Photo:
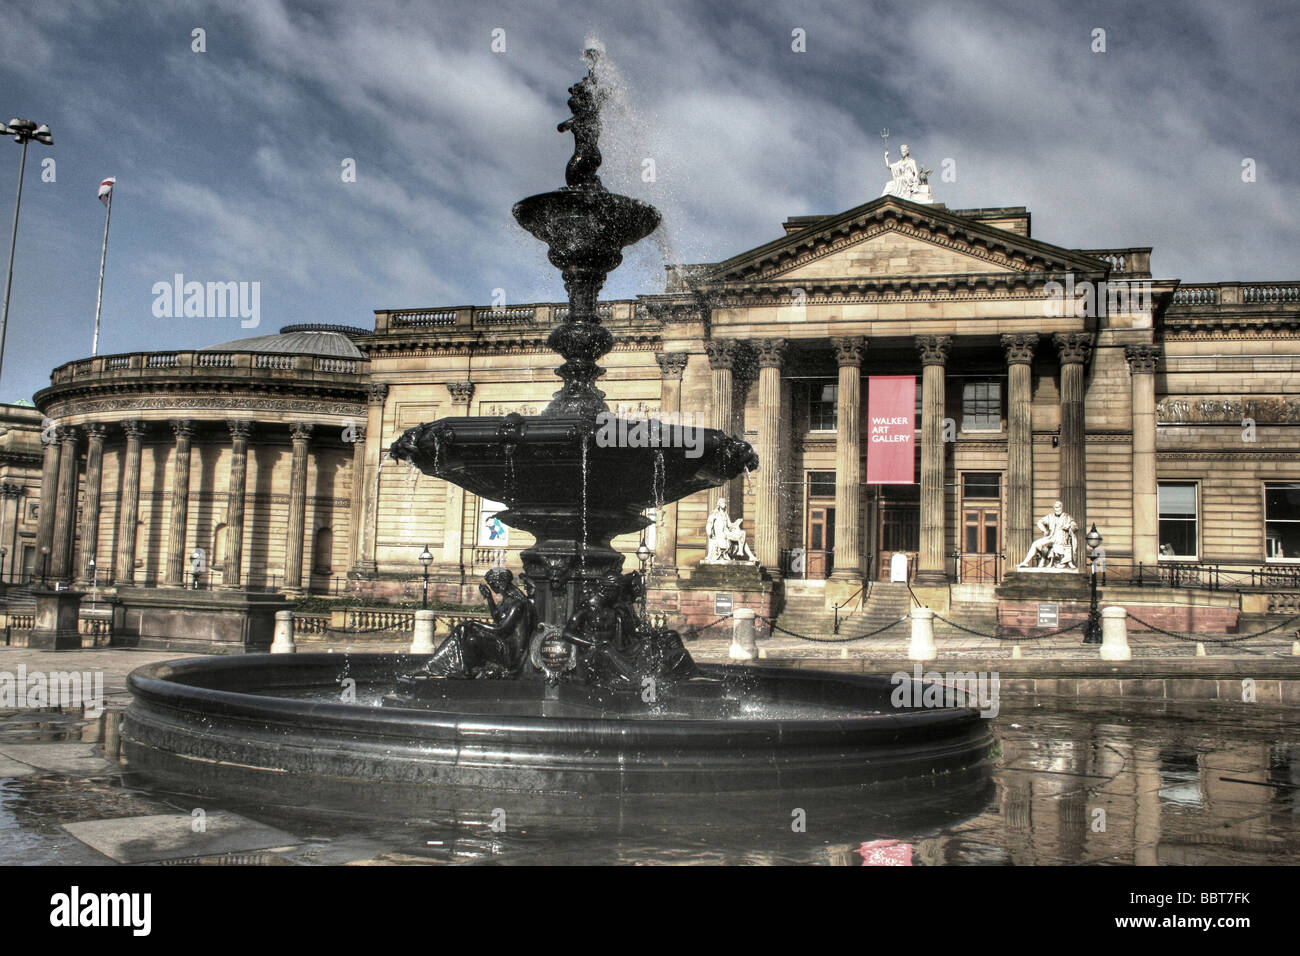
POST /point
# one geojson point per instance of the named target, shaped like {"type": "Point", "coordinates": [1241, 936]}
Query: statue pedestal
{"type": "Point", "coordinates": [56, 620]}
{"type": "Point", "coordinates": [729, 576]}
{"type": "Point", "coordinates": [1035, 602]}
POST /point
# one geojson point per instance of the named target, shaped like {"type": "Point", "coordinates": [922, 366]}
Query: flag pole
{"type": "Point", "coordinates": [103, 255]}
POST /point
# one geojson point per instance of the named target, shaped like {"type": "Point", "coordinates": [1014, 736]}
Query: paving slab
{"type": "Point", "coordinates": [171, 836]}
{"type": "Point", "coordinates": [68, 757]}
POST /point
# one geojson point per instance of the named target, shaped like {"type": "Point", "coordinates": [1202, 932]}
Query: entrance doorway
{"type": "Point", "coordinates": [821, 540]}
{"type": "Point", "coordinates": [980, 560]}
{"type": "Point", "coordinates": [900, 530]}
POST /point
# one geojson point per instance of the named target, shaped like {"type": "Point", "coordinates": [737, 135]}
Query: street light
{"type": "Point", "coordinates": [643, 554]}
{"type": "Point", "coordinates": [196, 564]}
{"type": "Point", "coordinates": [94, 581]}
{"type": "Point", "coordinates": [45, 566]}
{"type": "Point", "coordinates": [426, 558]}
{"type": "Point", "coordinates": [1092, 630]}
{"type": "Point", "coordinates": [23, 131]}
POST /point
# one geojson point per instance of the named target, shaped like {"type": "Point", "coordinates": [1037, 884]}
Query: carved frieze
{"type": "Point", "coordinates": [1213, 410]}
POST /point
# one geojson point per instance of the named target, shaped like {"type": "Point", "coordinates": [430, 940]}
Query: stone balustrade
{"type": "Point", "coordinates": [146, 365]}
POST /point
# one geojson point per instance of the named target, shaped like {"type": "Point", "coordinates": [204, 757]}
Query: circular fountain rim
{"type": "Point", "coordinates": [147, 681]}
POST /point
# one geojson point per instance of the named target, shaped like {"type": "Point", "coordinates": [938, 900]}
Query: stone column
{"type": "Point", "coordinates": [174, 576]}
{"type": "Point", "coordinates": [1142, 362]}
{"type": "Point", "coordinates": [368, 525]}
{"type": "Point", "coordinates": [300, 434]}
{"type": "Point", "coordinates": [722, 360]}
{"type": "Point", "coordinates": [767, 520]}
{"type": "Point", "coordinates": [90, 507]}
{"type": "Point", "coordinates": [744, 373]}
{"type": "Point", "coordinates": [65, 512]}
{"type": "Point", "coordinates": [1020, 443]}
{"type": "Point", "coordinates": [240, 430]}
{"type": "Point", "coordinates": [128, 512]}
{"type": "Point", "coordinates": [931, 565]}
{"type": "Point", "coordinates": [849, 353]}
{"type": "Point", "coordinates": [671, 367]}
{"type": "Point", "coordinates": [453, 524]}
{"type": "Point", "coordinates": [1074, 349]}
{"type": "Point", "coordinates": [47, 506]}
{"type": "Point", "coordinates": [357, 505]}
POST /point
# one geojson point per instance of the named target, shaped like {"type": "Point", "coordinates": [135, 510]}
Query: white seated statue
{"type": "Point", "coordinates": [1058, 548]}
{"type": "Point", "coordinates": [908, 180]}
{"type": "Point", "coordinates": [726, 538]}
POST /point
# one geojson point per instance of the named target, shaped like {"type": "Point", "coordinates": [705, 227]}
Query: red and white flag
{"type": "Point", "coordinates": [106, 189]}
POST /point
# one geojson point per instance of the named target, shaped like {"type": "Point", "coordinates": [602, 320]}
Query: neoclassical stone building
{"type": "Point", "coordinates": [1166, 414]}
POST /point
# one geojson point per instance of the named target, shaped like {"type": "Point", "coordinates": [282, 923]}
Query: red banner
{"type": "Point", "coordinates": [891, 429]}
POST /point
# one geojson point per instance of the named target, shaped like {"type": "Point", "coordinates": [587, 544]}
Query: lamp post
{"type": "Point", "coordinates": [643, 554]}
{"type": "Point", "coordinates": [45, 566]}
{"type": "Point", "coordinates": [1092, 630]}
{"type": "Point", "coordinates": [23, 131]}
{"type": "Point", "coordinates": [426, 559]}
{"type": "Point", "coordinates": [94, 581]}
{"type": "Point", "coordinates": [196, 565]}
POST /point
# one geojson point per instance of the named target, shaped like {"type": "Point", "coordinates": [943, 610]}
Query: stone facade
{"type": "Point", "coordinates": [1029, 390]}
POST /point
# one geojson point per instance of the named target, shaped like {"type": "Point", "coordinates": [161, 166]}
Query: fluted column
{"type": "Point", "coordinates": [300, 434]}
{"type": "Point", "coordinates": [48, 503]}
{"type": "Point", "coordinates": [240, 430]}
{"type": "Point", "coordinates": [368, 527]}
{"type": "Point", "coordinates": [174, 576]}
{"type": "Point", "coordinates": [65, 513]}
{"type": "Point", "coordinates": [453, 533]}
{"type": "Point", "coordinates": [90, 507]}
{"type": "Point", "coordinates": [671, 367]}
{"type": "Point", "coordinates": [1020, 443]}
{"type": "Point", "coordinates": [722, 360]}
{"type": "Point", "coordinates": [357, 507]}
{"type": "Point", "coordinates": [849, 353]}
{"type": "Point", "coordinates": [1074, 349]}
{"type": "Point", "coordinates": [1142, 362]}
{"type": "Point", "coordinates": [931, 566]}
{"type": "Point", "coordinates": [767, 520]}
{"type": "Point", "coordinates": [128, 513]}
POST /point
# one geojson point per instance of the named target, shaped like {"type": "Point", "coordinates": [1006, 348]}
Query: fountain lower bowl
{"type": "Point", "coordinates": [271, 724]}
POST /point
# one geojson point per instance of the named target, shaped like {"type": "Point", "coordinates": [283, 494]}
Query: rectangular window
{"type": "Point", "coordinates": [1178, 518]}
{"type": "Point", "coordinates": [1282, 520]}
{"type": "Point", "coordinates": [821, 484]}
{"type": "Point", "coordinates": [823, 399]}
{"type": "Point", "coordinates": [981, 485]}
{"type": "Point", "coordinates": [981, 406]}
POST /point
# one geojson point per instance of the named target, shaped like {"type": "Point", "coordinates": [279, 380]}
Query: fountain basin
{"type": "Point", "coordinates": [273, 723]}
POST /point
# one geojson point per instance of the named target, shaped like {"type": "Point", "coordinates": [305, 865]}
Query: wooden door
{"type": "Point", "coordinates": [980, 545]}
{"type": "Point", "coordinates": [900, 530]}
{"type": "Point", "coordinates": [821, 540]}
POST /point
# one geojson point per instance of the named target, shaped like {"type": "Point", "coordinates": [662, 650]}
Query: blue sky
{"type": "Point", "coordinates": [229, 161]}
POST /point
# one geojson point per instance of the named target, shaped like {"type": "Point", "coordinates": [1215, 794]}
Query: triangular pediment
{"type": "Point", "coordinates": [897, 238]}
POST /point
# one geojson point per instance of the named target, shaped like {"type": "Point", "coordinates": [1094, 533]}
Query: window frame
{"type": "Point", "coordinates": [1196, 519]}
{"type": "Point", "coordinates": [814, 388]}
{"type": "Point", "coordinates": [1264, 485]}
{"type": "Point", "coordinates": [996, 383]}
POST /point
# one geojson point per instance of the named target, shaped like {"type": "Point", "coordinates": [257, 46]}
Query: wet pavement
{"type": "Point", "coordinates": [1071, 782]}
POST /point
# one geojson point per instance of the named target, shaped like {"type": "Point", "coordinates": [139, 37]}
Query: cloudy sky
{"type": "Point", "coordinates": [230, 161]}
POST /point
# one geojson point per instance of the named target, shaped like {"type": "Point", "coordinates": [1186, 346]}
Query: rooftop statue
{"type": "Point", "coordinates": [908, 179]}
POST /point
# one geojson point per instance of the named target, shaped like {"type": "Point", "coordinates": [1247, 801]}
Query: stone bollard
{"type": "Point", "coordinates": [922, 647]}
{"type": "Point", "coordinates": [1114, 634]}
{"type": "Point", "coordinates": [422, 639]}
{"type": "Point", "coordinates": [743, 645]}
{"type": "Point", "coordinates": [111, 723]}
{"type": "Point", "coordinates": [283, 642]}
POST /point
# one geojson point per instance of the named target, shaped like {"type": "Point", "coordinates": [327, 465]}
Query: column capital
{"type": "Point", "coordinates": [240, 428]}
{"type": "Point", "coordinates": [183, 428]}
{"type": "Point", "coordinates": [1020, 347]}
{"type": "Point", "coordinates": [671, 364]}
{"type": "Point", "coordinates": [95, 431]}
{"type": "Point", "coordinates": [1073, 346]}
{"type": "Point", "coordinates": [360, 434]}
{"type": "Point", "coordinates": [8, 490]}
{"type": "Point", "coordinates": [378, 394]}
{"type": "Point", "coordinates": [722, 353]}
{"type": "Point", "coordinates": [132, 428]}
{"type": "Point", "coordinates": [461, 392]}
{"type": "Point", "coordinates": [68, 434]}
{"type": "Point", "coordinates": [771, 352]}
{"type": "Point", "coordinates": [849, 351]}
{"type": "Point", "coordinates": [300, 431]}
{"type": "Point", "coordinates": [933, 348]}
{"type": "Point", "coordinates": [1142, 358]}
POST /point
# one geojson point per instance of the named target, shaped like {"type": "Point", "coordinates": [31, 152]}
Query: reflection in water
{"type": "Point", "coordinates": [1080, 782]}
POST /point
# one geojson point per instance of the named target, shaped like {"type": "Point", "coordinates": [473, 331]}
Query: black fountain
{"type": "Point", "coordinates": [569, 701]}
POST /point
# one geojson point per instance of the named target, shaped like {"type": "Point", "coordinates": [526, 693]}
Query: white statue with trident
{"type": "Point", "coordinates": [908, 179]}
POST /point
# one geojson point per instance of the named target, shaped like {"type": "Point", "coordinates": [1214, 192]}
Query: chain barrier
{"type": "Point", "coordinates": [771, 622]}
{"type": "Point", "coordinates": [686, 635]}
{"type": "Point", "coordinates": [1013, 639]}
{"type": "Point", "coordinates": [1198, 639]}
